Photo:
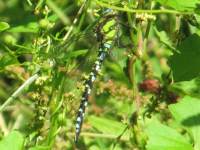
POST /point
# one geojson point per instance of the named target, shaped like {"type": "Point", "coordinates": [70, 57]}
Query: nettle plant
{"type": "Point", "coordinates": [135, 65]}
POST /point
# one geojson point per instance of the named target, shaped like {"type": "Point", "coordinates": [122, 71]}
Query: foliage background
{"type": "Point", "coordinates": [146, 96]}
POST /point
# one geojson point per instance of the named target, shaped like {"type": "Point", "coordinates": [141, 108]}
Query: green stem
{"type": "Point", "coordinates": [55, 127]}
{"type": "Point", "coordinates": [19, 91]}
{"type": "Point", "coordinates": [131, 63]}
{"type": "Point", "coordinates": [75, 21]}
{"type": "Point", "coordinates": [147, 30]}
{"type": "Point", "coordinates": [100, 135]}
{"type": "Point", "coordinates": [165, 11]}
{"type": "Point", "coordinates": [58, 12]}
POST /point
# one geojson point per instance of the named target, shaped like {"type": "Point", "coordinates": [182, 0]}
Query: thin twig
{"type": "Point", "coordinates": [160, 11]}
{"type": "Point", "coordinates": [75, 21]}
{"type": "Point", "coordinates": [57, 11]}
{"type": "Point", "coordinates": [100, 135]}
{"type": "Point", "coordinates": [19, 91]}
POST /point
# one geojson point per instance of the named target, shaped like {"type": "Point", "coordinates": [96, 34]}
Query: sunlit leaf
{"type": "Point", "coordinates": [162, 137]}
{"type": "Point", "coordinates": [186, 5]}
{"type": "Point", "coordinates": [187, 87]}
{"type": "Point", "coordinates": [107, 126]}
{"type": "Point", "coordinates": [187, 113]}
{"type": "Point", "coordinates": [14, 141]}
{"type": "Point", "coordinates": [31, 27]}
{"type": "Point", "coordinates": [4, 26]}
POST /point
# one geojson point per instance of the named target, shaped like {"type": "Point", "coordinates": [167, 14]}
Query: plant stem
{"type": "Point", "coordinates": [55, 126]}
{"type": "Point", "coordinates": [75, 20]}
{"type": "Point", "coordinates": [58, 12]}
{"type": "Point", "coordinates": [100, 135]}
{"type": "Point", "coordinates": [147, 31]}
{"type": "Point", "coordinates": [131, 63]}
{"type": "Point", "coordinates": [19, 91]}
{"type": "Point", "coordinates": [165, 11]}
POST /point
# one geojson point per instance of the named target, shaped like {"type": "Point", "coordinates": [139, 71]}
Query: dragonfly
{"type": "Point", "coordinates": [105, 33]}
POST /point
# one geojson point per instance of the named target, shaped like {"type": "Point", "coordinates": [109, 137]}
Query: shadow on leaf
{"type": "Point", "coordinates": [192, 121]}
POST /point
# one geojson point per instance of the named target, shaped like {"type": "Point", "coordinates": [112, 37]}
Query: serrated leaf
{"type": "Point", "coordinates": [187, 113]}
{"type": "Point", "coordinates": [107, 126]}
{"type": "Point", "coordinates": [4, 26]}
{"type": "Point", "coordinates": [14, 141]}
{"type": "Point", "coordinates": [185, 65]}
{"type": "Point", "coordinates": [162, 137]}
{"type": "Point", "coordinates": [180, 5]}
{"type": "Point", "coordinates": [191, 88]}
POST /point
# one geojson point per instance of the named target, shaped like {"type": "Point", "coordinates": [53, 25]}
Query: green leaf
{"type": "Point", "coordinates": [31, 27]}
{"type": "Point", "coordinates": [14, 141]}
{"type": "Point", "coordinates": [191, 88]}
{"type": "Point", "coordinates": [71, 55]}
{"type": "Point", "coordinates": [107, 126]}
{"type": "Point", "coordinates": [187, 113]}
{"type": "Point", "coordinates": [162, 35]}
{"type": "Point", "coordinates": [185, 65]}
{"type": "Point", "coordinates": [116, 71]}
{"type": "Point", "coordinates": [123, 107]}
{"type": "Point", "coordinates": [4, 26]}
{"type": "Point", "coordinates": [76, 53]}
{"type": "Point", "coordinates": [7, 59]}
{"type": "Point", "coordinates": [162, 137]}
{"type": "Point", "coordinates": [180, 5]}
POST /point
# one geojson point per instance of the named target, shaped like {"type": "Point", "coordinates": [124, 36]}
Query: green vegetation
{"type": "Point", "coordinates": [146, 97]}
